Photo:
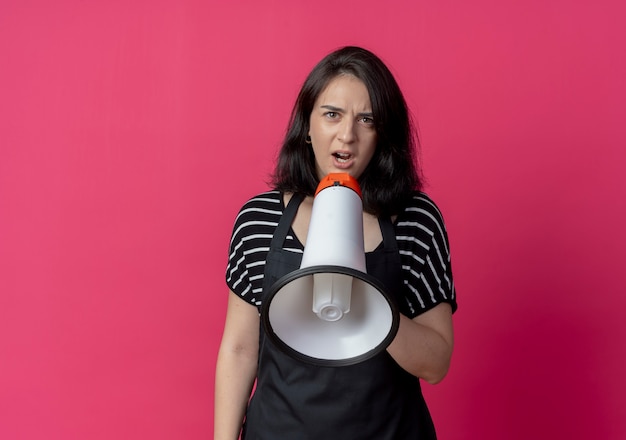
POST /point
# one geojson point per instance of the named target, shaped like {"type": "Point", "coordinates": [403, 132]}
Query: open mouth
{"type": "Point", "coordinates": [342, 157]}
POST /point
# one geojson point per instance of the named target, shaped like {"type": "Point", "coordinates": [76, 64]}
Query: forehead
{"type": "Point", "coordinates": [346, 88]}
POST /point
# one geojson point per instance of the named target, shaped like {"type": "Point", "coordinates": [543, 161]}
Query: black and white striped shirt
{"type": "Point", "coordinates": [420, 233]}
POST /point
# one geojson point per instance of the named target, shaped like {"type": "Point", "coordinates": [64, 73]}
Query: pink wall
{"type": "Point", "coordinates": [131, 132]}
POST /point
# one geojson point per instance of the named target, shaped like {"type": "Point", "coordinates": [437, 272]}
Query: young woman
{"type": "Point", "coordinates": [350, 117]}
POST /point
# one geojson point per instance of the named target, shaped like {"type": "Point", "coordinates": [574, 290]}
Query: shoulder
{"type": "Point", "coordinates": [266, 204]}
{"type": "Point", "coordinates": [258, 212]}
{"type": "Point", "coordinates": [420, 229]}
{"type": "Point", "coordinates": [266, 200]}
{"type": "Point", "coordinates": [420, 210]}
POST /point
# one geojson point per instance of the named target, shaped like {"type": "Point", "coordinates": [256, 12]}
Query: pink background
{"type": "Point", "coordinates": [132, 131]}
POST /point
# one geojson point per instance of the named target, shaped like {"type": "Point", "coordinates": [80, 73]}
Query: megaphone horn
{"type": "Point", "coordinates": [330, 312]}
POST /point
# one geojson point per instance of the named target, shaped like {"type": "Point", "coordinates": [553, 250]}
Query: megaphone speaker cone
{"type": "Point", "coordinates": [340, 337]}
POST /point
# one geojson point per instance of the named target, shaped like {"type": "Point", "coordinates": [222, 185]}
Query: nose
{"type": "Point", "coordinates": [347, 132]}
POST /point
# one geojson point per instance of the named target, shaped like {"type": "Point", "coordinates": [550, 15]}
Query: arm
{"type": "Point", "coordinates": [236, 367]}
{"type": "Point", "coordinates": [423, 345]}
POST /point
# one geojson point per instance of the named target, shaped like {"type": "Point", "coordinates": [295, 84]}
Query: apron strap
{"type": "Point", "coordinates": [389, 234]}
{"type": "Point", "coordinates": [286, 220]}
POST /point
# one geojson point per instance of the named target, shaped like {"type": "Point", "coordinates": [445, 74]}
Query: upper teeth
{"type": "Point", "coordinates": [342, 157]}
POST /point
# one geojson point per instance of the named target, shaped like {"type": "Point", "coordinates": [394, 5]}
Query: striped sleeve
{"type": "Point", "coordinates": [425, 255]}
{"type": "Point", "coordinates": [249, 245]}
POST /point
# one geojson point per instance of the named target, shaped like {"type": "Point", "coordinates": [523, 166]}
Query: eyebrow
{"type": "Point", "coordinates": [332, 108]}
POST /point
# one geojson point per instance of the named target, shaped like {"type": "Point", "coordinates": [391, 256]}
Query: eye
{"type": "Point", "coordinates": [367, 120]}
{"type": "Point", "coordinates": [331, 115]}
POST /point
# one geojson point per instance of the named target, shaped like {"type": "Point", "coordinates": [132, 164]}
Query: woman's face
{"type": "Point", "coordinates": [342, 130]}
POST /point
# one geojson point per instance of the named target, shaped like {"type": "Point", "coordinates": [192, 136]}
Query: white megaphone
{"type": "Point", "coordinates": [330, 312]}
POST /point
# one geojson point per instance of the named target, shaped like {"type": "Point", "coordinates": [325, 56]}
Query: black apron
{"type": "Point", "coordinates": [372, 400]}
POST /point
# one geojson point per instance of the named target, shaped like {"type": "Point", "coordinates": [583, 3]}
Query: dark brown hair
{"type": "Point", "coordinates": [392, 174]}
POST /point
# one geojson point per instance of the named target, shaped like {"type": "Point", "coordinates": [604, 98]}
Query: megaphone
{"type": "Point", "coordinates": [330, 312]}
